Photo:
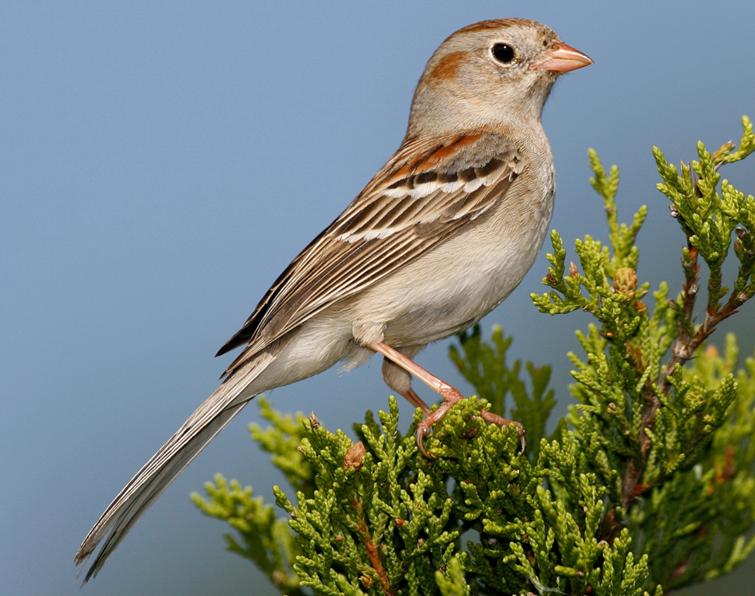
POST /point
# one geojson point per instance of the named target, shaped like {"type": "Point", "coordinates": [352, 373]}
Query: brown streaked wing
{"type": "Point", "coordinates": [424, 194]}
{"type": "Point", "coordinates": [409, 149]}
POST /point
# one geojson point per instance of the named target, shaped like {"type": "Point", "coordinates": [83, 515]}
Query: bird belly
{"type": "Point", "coordinates": [463, 279]}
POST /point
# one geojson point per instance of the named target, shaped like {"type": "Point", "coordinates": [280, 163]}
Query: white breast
{"type": "Point", "coordinates": [463, 279]}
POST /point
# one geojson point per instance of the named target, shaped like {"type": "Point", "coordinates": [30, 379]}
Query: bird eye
{"type": "Point", "coordinates": [503, 52]}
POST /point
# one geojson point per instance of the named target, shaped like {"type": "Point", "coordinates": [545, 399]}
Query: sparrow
{"type": "Point", "coordinates": [438, 238]}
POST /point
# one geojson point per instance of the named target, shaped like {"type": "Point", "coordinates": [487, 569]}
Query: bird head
{"type": "Point", "coordinates": [491, 73]}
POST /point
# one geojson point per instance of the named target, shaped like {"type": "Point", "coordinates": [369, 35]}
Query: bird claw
{"type": "Point", "coordinates": [419, 435]}
{"type": "Point", "coordinates": [426, 425]}
{"type": "Point", "coordinates": [501, 421]}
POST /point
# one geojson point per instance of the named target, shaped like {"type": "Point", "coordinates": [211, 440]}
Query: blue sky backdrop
{"type": "Point", "coordinates": [160, 163]}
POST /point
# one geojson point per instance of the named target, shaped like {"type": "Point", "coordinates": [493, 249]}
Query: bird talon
{"type": "Point", "coordinates": [419, 436]}
{"type": "Point", "coordinates": [493, 418]}
{"type": "Point", "coordinates": [426, 425]}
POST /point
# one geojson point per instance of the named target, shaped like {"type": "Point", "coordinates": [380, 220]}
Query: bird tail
{"type": "Point", "coordinates": [168, 462]}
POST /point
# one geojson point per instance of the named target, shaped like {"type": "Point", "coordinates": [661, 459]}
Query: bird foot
{"type": "Point", "coordinates": [451, 396]}
{"type": "Point", "coordinates": [492, 418]}
{"type": "Point", "coordinates": [450, 399]}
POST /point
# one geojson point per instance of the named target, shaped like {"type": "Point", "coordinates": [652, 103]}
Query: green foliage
{"type": "Point", "coordinates": [646, 485]}
{"type": "Point", "coordinates": [709, 213]}
{"type": "Point", "coordinates": [699, 521]}
{"type": "Point", "coordinates": [485, 366]}
{"type": "Point", "coordinates": [258, 535]}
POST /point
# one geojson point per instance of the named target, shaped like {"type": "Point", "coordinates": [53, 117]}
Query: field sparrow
{"type": "Point", "coordinates": [439, 237]}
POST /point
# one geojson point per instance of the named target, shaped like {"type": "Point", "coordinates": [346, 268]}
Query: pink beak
{"type": "Point", "coordinates": [562, 58]}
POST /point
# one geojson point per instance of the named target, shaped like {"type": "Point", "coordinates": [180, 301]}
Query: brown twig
{"type": "Point", "coordinates": [372, 550]}
{"type": "Point", "coordinates": [684, 346]}
{"type": "Point", "coordinates": [681, 351]}
{"type": "Point", "coordinates": [631, 487]}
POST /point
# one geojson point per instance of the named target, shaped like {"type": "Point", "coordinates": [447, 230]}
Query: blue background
{"type": "Point", "coordinates": [160, 163]}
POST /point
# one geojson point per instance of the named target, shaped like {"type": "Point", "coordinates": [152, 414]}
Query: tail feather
{"type": "Point", "coordinates": [167, 463]}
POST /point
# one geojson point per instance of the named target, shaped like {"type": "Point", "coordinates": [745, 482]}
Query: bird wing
{"type": "Point", "coordinates": [427, 192]}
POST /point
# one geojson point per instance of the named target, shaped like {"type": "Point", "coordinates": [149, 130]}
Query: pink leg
{"type": "Point", "coordinates": [449, 394]}
{"type": "Point", "coordinates": [416, 400]}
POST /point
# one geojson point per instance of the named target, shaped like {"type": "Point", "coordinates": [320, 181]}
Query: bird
{"type": "Point", "coordinates": [441, 235]}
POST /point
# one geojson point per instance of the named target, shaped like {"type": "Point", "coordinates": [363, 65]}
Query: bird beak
{"type": "Point", "coordinates": [562, 58]}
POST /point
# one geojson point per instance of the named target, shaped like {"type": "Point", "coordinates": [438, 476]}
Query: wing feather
{"type": "Point", "coordinates": [425, 193]}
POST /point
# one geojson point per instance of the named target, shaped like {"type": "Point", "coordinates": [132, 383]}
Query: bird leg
{"type": "Point", "coordinates": [451, 396]}
{"type": "Point", "coordinates": [401, 381]}
{"type": "Point", "coordinates": [414, 399]}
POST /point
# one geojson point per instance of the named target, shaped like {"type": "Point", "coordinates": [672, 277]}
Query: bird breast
{"type": "Point", "coordinates": [464, 278]}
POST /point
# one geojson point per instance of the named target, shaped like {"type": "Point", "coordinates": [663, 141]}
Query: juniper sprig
{"type": "Point", "coordinates": [645, 486]}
